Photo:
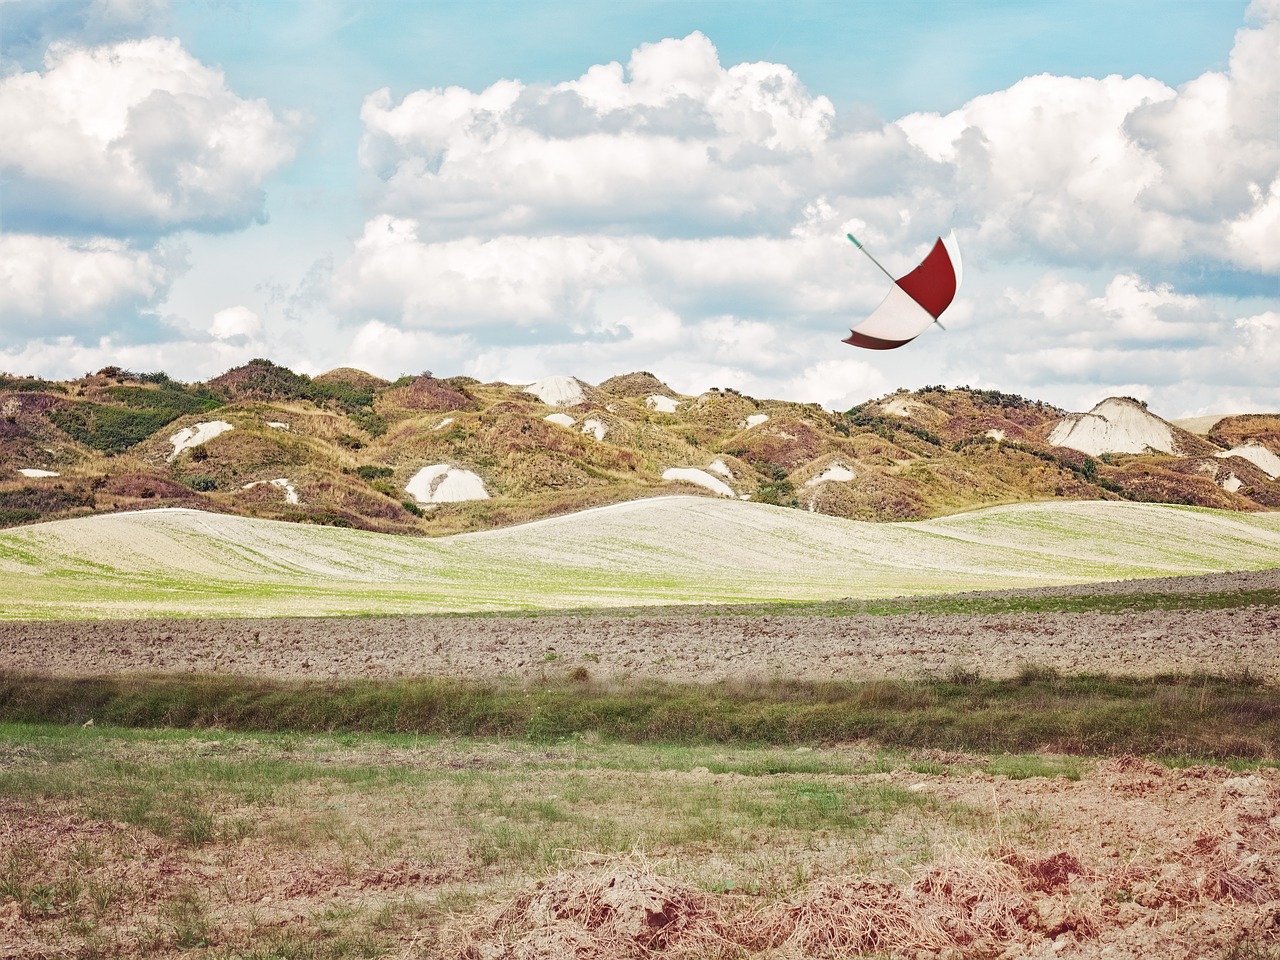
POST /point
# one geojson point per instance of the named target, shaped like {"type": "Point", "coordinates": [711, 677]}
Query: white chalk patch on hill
{"type": "Point", "coordinates": [290, 491]}
{"type": "Point", "coordinates": [837, 472]}
{"type": "Point", "coordinates": [558, 391]}
{"type": "Point", "coordinates": [660, 403]}
{"type": "Point", "coordinates": [1116, 425]}
{"type": "Point", "coordinates": [190, 437]}
{"type": "Point", "coordinates": [1258, 455]}
{"type": "Point", "coordinates": [700, 477]}
{"type": "Point", "coordinates": [443, 483]}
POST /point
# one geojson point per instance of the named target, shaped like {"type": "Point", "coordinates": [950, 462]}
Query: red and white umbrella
{"type": "Point", "coordinates": [914, 302]}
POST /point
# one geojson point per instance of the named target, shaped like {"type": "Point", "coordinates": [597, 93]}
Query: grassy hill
{"type": "Point", "coordinates": [342, 448]}
{"type": "Point", "coordinates": [665, 550]}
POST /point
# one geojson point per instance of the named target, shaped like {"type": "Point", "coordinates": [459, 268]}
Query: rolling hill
{"type": "Point", "coordinates": [429, 455]}
{"type": "Point", "coordinates": [665, 550]}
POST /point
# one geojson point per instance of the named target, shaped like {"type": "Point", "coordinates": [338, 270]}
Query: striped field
{"type": "Point", "coordinates": [665, 550]}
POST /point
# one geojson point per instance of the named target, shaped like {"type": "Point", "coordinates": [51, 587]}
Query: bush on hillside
{"type": "Point", "coordinates": [140, 413]}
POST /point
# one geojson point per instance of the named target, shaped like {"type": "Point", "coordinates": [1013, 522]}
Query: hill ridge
{"type": "Point", "coordinates": [429, 455]}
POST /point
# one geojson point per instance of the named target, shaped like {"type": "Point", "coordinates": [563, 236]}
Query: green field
{"type": "Point", "coordinates": [673, 550]}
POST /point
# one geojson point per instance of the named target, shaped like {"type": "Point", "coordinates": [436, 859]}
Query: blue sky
{"type": "Point", "coordinates": [473, 188]}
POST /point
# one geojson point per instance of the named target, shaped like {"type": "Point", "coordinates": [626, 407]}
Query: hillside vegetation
{"type": "Point", "coordinates": [432, 456]}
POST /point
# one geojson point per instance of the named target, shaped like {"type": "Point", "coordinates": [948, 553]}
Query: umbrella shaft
{"type": "Point", "coordinates": [870, 257]}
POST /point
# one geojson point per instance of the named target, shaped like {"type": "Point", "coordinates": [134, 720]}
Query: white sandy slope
{"type": "Point", "coordinates": [181, 562]}
{"type": "Point", "coordinates": [902, 406]}
{"type": "Point", "coordinates": [1258, 455]}
{"type": "Point", "coordinates": [284, 483]}
{"type": "Point", "coordinates": [190, 437]}
{"type": "Point", "coordinates": [1115, 425]}
{"type": "Point", "coordinates": [837, 472]}
{"type": "Point", "coordinates": [36, 474]}
{"type": "Point", "coordinates": [699, 477]}
{"type": "Point", "coordinates": [594, 428]}
{"type": "Point", "coordinates": [195, 435]}
{"type": "Point", "coordinates": [562, 419]}
{"type": "Point", "coordinates": [661, 403]}
{"type": "Point", "coordinates": [443, 483]}
{"type": "Point", "coordinates": [558, 391]}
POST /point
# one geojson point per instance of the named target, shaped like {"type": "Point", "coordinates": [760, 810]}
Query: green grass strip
{"type": "Point", "coordinates": [1202, 716]}
{"type": "Point", "coordinates": [1073, 600]}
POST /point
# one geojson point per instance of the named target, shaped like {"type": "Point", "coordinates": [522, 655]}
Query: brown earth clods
{"type": "Point", "coordinates": [1139, 861]}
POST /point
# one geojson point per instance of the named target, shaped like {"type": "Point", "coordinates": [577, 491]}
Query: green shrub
{"type": "Point", "coordinates": [11, 518]}
{"type": "Point", "coordinates": [140, 412]}
{"type": "Point", "coordinates": [371, 423]}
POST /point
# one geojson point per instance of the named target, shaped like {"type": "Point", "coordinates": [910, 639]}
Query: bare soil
{"type": "Point", "coordinates": [681, 645]}
{"type": "Point", "coordinates": [1132, 860]}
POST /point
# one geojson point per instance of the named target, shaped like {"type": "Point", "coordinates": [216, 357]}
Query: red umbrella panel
{"type": "Point", "coordinates": [914, 301]}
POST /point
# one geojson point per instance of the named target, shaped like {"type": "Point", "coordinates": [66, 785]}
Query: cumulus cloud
{"type": "Point", "coordinates": [59, 284]}
{"type": "Point", "coordinates": [393, 274]}
{"type": "Point", "coordinates": [377, 346]}
{"type": "Point", "coordinates": [1095, 170]}
{"type": "Point", "coordinates": [676, 142]}
{"type": "Point", "coordinates": [681, 215]}
{"type": "Point", "coordinates": [678, 214]}
{"type": "Point", "coordinates": [1259, 336]}
{"type": "Point", "coordinates": [577, 280]}
{"type": "Point", "coordinates": [237, 322]}
{"type": "Point", "coordinates": [1074, 169]}
{"type": "Point", "coordinates": [838, 384]}
{"type": "Point", "coordinates": [133, 138]}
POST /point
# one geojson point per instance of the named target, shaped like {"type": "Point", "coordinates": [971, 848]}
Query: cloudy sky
{"type": "Point", "coordinates": [511, 190]}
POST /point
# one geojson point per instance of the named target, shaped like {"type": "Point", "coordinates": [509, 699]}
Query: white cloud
{"type": "Point", "coordinates": [1135, 309]}
{"type": "Point", "coordinates": [1259, 338]}
{"type": "Point", "coordinates": [683, 145]}
{"type": "Point", "coordinates": [506, 280]}
{"type": "Point", "coordinates": [1047, 162]}
{"type": "Point", "coordinates": [1251, 239]}
{"type": "Point", "coordinates": [837, 384]}
{"type": "Point", "coordinates": [702, 183]}
{"type": "Point", "coordinates": [1122, 168]}
{"type": "Point", "coordinates": [236, 322]}
{"type": "Point", "coordinates": [391, 352]}
{"type": "Point", "coordinates": [679, 215]}
{"type": "Point", "coordinates": [136, 137]}
{"type": "Point", "coordinates": [54, 281]}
